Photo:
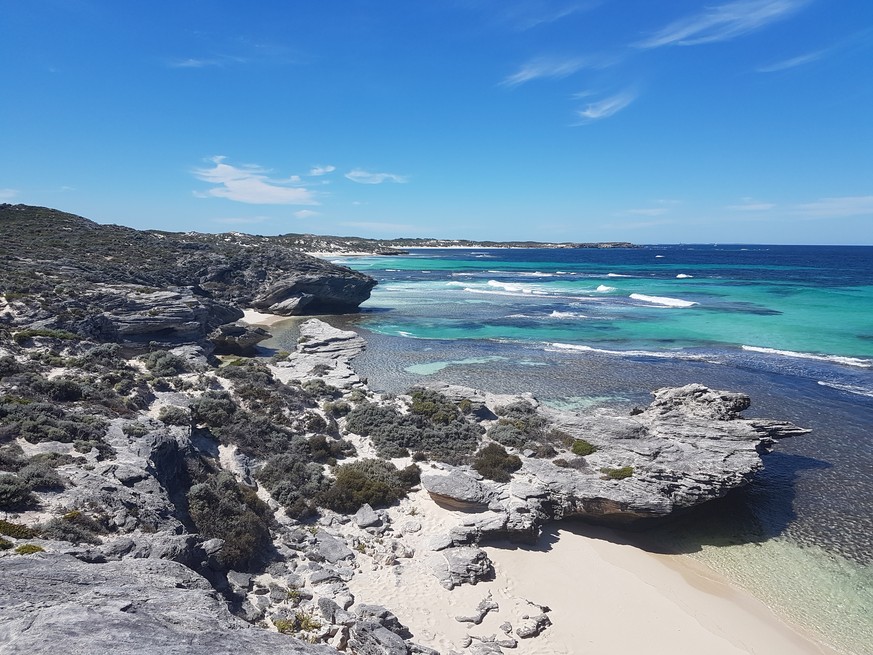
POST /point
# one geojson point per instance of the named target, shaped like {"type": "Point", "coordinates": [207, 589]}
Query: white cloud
{"type": "Point", "coordinates": [794, 62]}
{"type": "Point", "coordinates": [305, 213]}
{"type": "Point", "coordinates": [552, 67]}
{"type": "Point", "coordinates": [529, 14]}
{"type": "Point", "coordinates": [192, 62]}
{"type": "Point", "coordinates": [364, 177]}
{"type": "Point", "coordinates": [751, 205]}
{"type": "Point", "coordinates": [318, 171]}
{"type": "Point", "coordinates": [606, 107]}
{"type": "Point", "coordinates": [250, 184]}
{"type": "Point", "coordinates": [379, 227]}
{"type": "Point", "coordinates": [8, 194]}
{"type": "Point", "coordinates": [839, 207]}
{"type": "Point", "coordinates": [722, 22]}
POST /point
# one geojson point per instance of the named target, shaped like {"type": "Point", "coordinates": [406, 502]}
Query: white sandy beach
{"type": "Point", "coordinates": [604, 596]}
{"type": "Point", "coordinates": [254, 317]}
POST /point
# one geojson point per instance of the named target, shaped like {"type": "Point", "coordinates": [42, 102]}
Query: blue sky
{"type": "Point", "coordinates": [640, 120]}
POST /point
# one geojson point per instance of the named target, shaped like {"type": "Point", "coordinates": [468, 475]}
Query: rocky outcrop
{"type": "Point", "coordinates": [688, 447]}
{"type": "Point", "coordinates": [325, 352]}
{"type": "Point", "coordinates": [56, 603]}
{"type": "Point", "coordinates": [237, 338]}
{"type": "Point", "coordinates": [112, 283]}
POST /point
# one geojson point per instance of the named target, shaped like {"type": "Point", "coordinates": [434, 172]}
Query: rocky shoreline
{"type": "Point", "coordinates": [121, 531]}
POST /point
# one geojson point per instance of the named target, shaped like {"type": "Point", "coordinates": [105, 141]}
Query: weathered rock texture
{"type": "Point", "coordinates": [689, 446]}
{"type": "Point", "coordinates": [112, 283]}
{"type": "Point", "coordinates": [325, 352]}
{"type": "Point", "coordinates": [57, 604]}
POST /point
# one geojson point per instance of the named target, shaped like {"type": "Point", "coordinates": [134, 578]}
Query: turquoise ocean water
{"type": "Point", "coordinates": [790, 326]}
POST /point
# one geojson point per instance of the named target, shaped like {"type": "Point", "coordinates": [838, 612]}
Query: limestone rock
{"type": "Point", "coordinates": [237, 338]}
{"type": "Point", "coordinates": [455, 489]}
{"type": "Point", "coordinates": [55, 603]}
{"type": "Point", "coordinates": [464, 564]}
{"type": "Point", "coordinates": [366, 517]}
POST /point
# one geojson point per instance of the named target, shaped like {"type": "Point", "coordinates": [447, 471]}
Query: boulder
{"type": "Point", "coordinates": [237, 338]}
{"type": "Point", "coordinates": [461, 565]}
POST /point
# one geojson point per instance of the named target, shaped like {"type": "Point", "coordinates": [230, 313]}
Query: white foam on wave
{"type": "Point", "coordinates": [659, 256]}
{"type": "Point", "coordinates": [617, 275]}
{"type": "Point", "coordinates": [604, 289]}
{"type": "Point", "coordinates": [456, 284]}
{"type": "Point", "coordinates": [536, 274]}
{"type": "Point", "coordinates": [684, 276]}
{"type": "Point", "coordinates": [625, 353]}
{"type": "Point", "coordinates": [510, 286]}
{"type": "Point", "coordinates": [557, 314]}
{"type": "Point", "coordinates": [835, 359]}
{"type": "Point", "coordinates": [463, 274]}
{"type": "Point", "coordinates": [664, 301]}
{"type": "Point", "coordinates": [848, 388]}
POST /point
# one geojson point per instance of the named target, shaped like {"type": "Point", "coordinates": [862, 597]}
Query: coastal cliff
{"type": "Point", "coordinates": [111, 283]}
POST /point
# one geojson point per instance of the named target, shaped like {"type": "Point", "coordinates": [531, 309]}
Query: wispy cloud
{"type": "Point", "coordinates": [380, 227]}
{"type": "Point", "coordinates": [306, 213]}
{"type": "Point", "coordinates": [722, 22]}
{"type": "Point", "coordinates": [605, 108]}
{"type": "Point", "coordinates": [839, 207]}
{"type": "Point", "coordinates": [529, 14]}
{"type": "Point", "coordinates": [251, 184]}
{"type": "Point", "coordinates": [8, 194]}
{"type": "Point", "coordinates": [751, 205]}
{"type": "Point", "coordinates": [794, 62]}
{"type": "Point", "coordinates": [318, 171]}
{"type": "Point", "coordinates": [192, 62]}
{"type": "Point", "coordinates": [364, 177]}
{"type": "Point", "coordinates": [545, 67]}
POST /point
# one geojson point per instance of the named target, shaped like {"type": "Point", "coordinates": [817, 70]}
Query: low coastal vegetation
{"type": "Point", "coordinates": [617, 473]}
{"type": "Point", "coordinates": [494, 463]}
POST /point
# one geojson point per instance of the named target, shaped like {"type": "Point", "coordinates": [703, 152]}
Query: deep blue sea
{"type": "Point", "coordinates": [792, 326]}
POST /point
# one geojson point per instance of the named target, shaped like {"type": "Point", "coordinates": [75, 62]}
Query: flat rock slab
{"type": "Point", "coordinates": [52, 604]}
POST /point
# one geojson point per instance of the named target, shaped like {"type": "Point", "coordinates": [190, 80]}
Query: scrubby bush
{"type": "Point", "coordinates": [5, 544]}
{"type": "Point", "coordinates": [37, 422]}
{"type": "Point", "coordinates": [338, 408]}
{"type": "Point", "coordinates": [508, 435]}
{"type": "Point", "coordinates": [135, 429]}
{"type": "Point", "coordinates": [259, 436]}
{"type": "Point", "coordinates": [40, 476]}
{"type": "Point", "coordinates": [16, 530]}
{"type": "Point", "coordinates": [293, 482]}
{"type": "Point", "coordinates": [14, 493]}
{"type": "Point", "coordinates": [371, 481]}
{"type": "Point", "coordinates": [262, 394]}
{"type": "Point", "coordinates": [618, 473]}
{"type": "Point", "coordinates": [494, 463]}
{"type": "Point", "coordinates": [62, 335]}
{"type": "Point", "coordinates": [29, 549]}
{"type": "Point", "coordinates": [222, 508]}
{"type": "Point", "coordinates": [163, 364]}
{"type": "Point", "coordinates": [433, 405]}
{"type": "Point", "coordinates": [172, 415]}
{"type": "Point", "coordinates": [213, 409]}
{"type": "Point", "coordinates": [395, 434]}
{"type": "Point", "coordinates": [318, 388]}
{"type": "Point", "coordinates": [75, 527]}
{"type": "Point", "coordinates": [582, 448]}
{"type": "Point", "coordinates": [11, 457]}
{"type": "Point", "coordinates": [8, 366]}
{"type": "Point", "coordinates": [327, 450]}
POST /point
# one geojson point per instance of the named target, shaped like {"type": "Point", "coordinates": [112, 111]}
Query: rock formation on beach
{"type": "Point", "coordinates": [157, 499]}
{"type": "Point", "coordinates": [113, 283]}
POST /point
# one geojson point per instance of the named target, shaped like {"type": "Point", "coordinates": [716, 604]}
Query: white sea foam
{"type": "Point", "coordinates": [848, 388]}
{"type": "Point", "coordinates": [836, 359]}
{"type": "Point", "coordinates": [617, 275]}
{"type": "Point", "coordinates": [557, 314]}
{"type": "Point", "coordinates": [663, 300]}
{"type": "Point", "coordinates": [661, 354]}
{"type": "Point", "coordinates": [536, 274]}
{"type": "Point", "coordinates": [604, 289]}
{"type": "Point", "coordinates": [405, 334]}
{"type": "Point", "coordinates": [659, 256]}
{"type": "Point", "coordinates": [684, 276]}
{"type": "Point", "coordinates": [456, 284]}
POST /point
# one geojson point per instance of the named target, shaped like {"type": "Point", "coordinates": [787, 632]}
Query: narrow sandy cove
{"type": "Point", "coordinates": [604, 596]}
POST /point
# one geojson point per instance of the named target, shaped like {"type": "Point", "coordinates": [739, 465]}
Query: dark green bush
{"type": "Point", "coordinates": [29, 549]}
{"type": "Point", "coordinates": [433, 405]}
{"type": "Point", "coordinates": [163, 364]}
{"type": "Point", "coordinates": [372, 481]}
{"type": "Point", "coordinates": [618, 473]}
{"type": "Point", "coordinates": [507, 434]}
{"type": "Point", "coordinates": [172, 415]}
{"type": "Point", "coordinates": [582, 448]}
{"type": "Point", "coordinates": [338, 408]}
{"type": "Point", "coordinates": [213, 409]}
{"type": "Point", "coordinates": [16, 530]}
{"type": "Point", "coordinates": [40, 476]}
{"type": "Point", "coordinates": [37, 422]}
{"type": "Point", "coordinates": [5, 544]}
{"type": "Point", "coordinates": [222, 508]}
{"type": "Point", "coordinates": [293, 482]}
{"type": "Point", "coordinates": [260, 436]}
{"type": "Point", "coordinates": [494, 463]}
{"type": "Point", "coordinates": [15, 494]}
{"type": "Point", "coordinates": [9, 366]}
{"type": "Point", "coordinates": [11, 457]}
{"type": "Point", "coordinates": [63, 335]}
{"type": "Point", "coordinates": [135, 429]}
{"type": "Point", "coordinates": [524, 417]}
{"type": "Point", "coordinates": [318, 388]}
{"type": "Point", "coordinates": [75, 527]}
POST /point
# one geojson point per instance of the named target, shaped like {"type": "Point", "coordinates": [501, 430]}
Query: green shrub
{"type": "Point", "coordinates": [507, 434]}
{"type": "Point", "coordinates": [162, 364]}
{"type": "Point", "coordinates": [338, 408]}
{"type": "Point", "coordinates": [293, 483]}
{"type": "Point", "coordinates": [300, 622]}
{"type": "Point", "coordinates": [63, 335]}
{"type": "Point", "coordinates": [524, 417]}
{"type": "Point", "coordinates": [371, 481]}
{"type": "Point", "coordinates": [320, 389]}
{"type": "Point", "coordinates": [135, 429]}
{"type": "Point", "coordinates": [222, 508]}
{"type": "Point", "coordinates": [433, 405]}
{"type": "Point", "coordinates": [618, 473]}
{"type": "Point", "coordinates": [5, 544]}
{"type": "Point", "coordinates": [74, 526]}
{"type": "Point", "coordinates": [582, 448]}
{"type": "Point", "coordinates": [172, 415]}
{"type": "Point", "coordinates": [39, 421]}
{"type": "Point", "coordinates": [213, 409]}
{"type": "Point", "coordinates": [14, 493]}
{"type": "Point", "coordinates": [494, 463]}
{"type": "Point", "coordinates": [40, 476]}
{"type": "Point", "coordinates": [16, 530]}
{"type": "Point", "coordinates": [29, 549]}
